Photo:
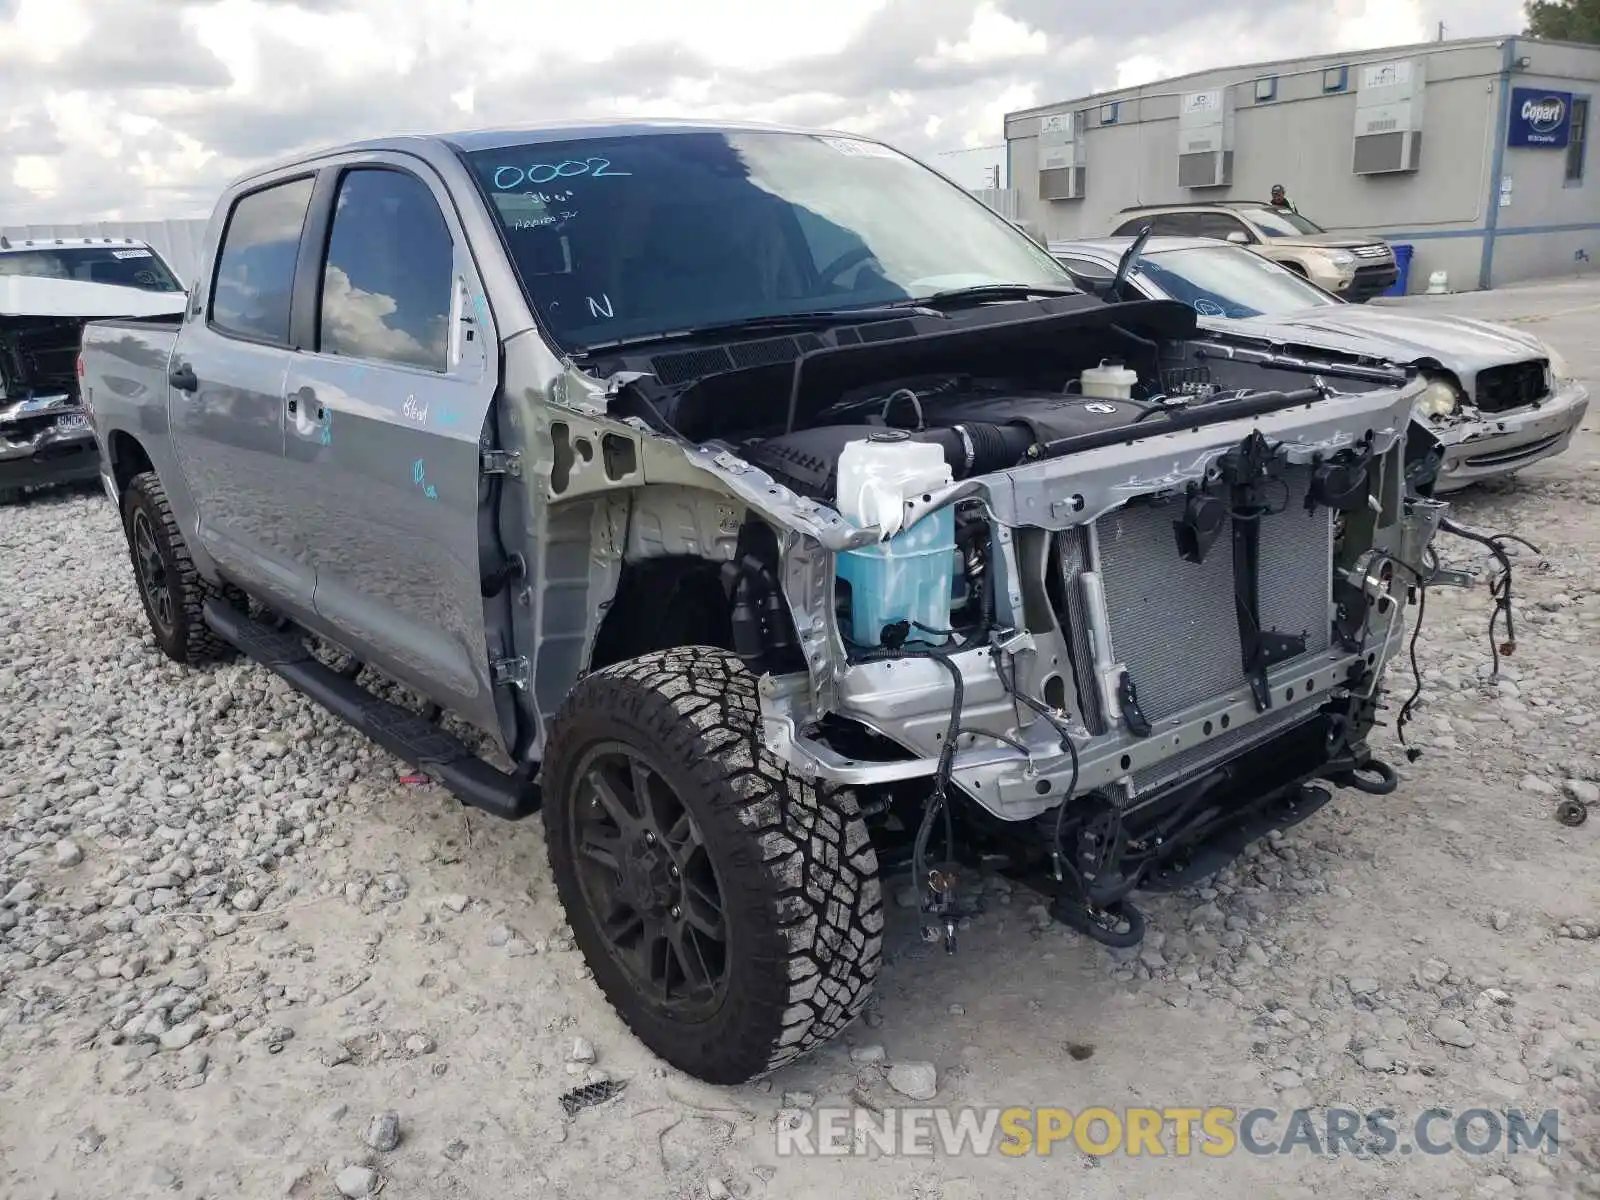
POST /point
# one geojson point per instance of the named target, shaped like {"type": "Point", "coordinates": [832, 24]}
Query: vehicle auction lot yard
{"type": "Point", "coordinates": [231, 937]}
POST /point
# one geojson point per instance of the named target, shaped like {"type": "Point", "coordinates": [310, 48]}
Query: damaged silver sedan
{"type": "Point", "coordinates": [1497, 398]}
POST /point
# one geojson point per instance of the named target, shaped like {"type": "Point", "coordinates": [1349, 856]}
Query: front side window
{"type": "Point", "coordinates": [124, 266]}
{"type": "Point", "coordinates": [388, 273]}
{"type": "Point", "coordinates": [629, 237]}
{"type": "Point", "coordinates": [255, 266]}
{"type": "Point", "coordinates": [1280, 222]}
{"type": "Point", "coordinates": [1228, 281]}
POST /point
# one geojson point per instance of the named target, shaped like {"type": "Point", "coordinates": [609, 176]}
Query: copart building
{"type": "Point", "coordinates": [1474, 152]}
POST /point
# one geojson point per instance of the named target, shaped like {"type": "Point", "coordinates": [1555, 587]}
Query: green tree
{"type": "Point", "coordinates": [1564, 20]}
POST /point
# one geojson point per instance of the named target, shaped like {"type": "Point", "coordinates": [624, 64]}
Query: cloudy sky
{"type": "Point", "coordinates": [143, 108]}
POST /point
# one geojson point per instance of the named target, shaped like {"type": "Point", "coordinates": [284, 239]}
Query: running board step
{"type": "Point", "coordinates": [407, 735]}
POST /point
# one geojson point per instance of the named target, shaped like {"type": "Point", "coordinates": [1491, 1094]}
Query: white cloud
{"type": "Point", "coordinates": [50, 28]}
{"type": "Point", "coordinates": [990, 126]}
{"type": "Point", "coordinates": [1381, 23]}
{"type": "Point", "coordinates": [356, 323]}
{"type": "Point", "coordinates": [1140, 69]}
{"type": "Point", "coordinates": [517, 36]}
{"type": "Point", "coordinates": [34, 173]}
{"type": "Point", "coordinates": [993, 37]}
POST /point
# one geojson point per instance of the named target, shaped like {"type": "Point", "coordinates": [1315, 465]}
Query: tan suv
{"type": "Point", "coordinates": [1353, 268]}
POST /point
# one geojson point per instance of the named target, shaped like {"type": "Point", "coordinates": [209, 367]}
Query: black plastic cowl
{"type": "Point", "coordinates": [807, 461]}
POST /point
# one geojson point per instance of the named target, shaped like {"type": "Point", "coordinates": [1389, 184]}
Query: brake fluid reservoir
{"type": "Point", "coordinates": [907, 576]}
{"type": "Point", "coordinates": [1110, 381]}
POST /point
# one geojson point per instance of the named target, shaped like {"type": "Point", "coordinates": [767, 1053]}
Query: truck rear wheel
{"type": "Point", "coordinates": [730, 910]}
{"type": "Point", "coordinates": [169, 587]}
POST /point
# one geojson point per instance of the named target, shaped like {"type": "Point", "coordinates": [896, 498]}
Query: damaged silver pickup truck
{"type": "Point", "coordinates": [768, 504]}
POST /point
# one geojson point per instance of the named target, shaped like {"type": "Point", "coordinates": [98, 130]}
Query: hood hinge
{"type": "Point", "coordinates": [510, 672]}
{"type": "Point", "coordinates": [501, 462]}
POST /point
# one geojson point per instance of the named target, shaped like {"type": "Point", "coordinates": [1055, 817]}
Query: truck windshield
{"type": "Point", "coordinates": [125, 266]}
{"type": "Point", "coordinates": [1226, 281]}
{"type": "Point", "coordinates": [627, 237]}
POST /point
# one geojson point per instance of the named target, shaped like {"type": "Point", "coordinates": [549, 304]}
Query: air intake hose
{"type": "Point", "coordinates": [976, 448]}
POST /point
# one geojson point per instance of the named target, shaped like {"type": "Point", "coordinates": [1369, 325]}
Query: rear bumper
{"type": "Point", "coordinates": [1489, 447]}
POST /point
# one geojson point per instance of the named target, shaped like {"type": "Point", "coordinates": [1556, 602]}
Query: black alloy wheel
{"type": "Point", "coordinates": [646, 875]}
{"type": "Point", "coordinates": [170, 588]}
{"type": "Point", "coordinates": [152, 572]}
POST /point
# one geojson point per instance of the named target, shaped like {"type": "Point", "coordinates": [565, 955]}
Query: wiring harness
{"type": "Point", "coordinates": [1500, 590]}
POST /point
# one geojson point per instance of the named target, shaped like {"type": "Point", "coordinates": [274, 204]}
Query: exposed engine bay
{"type": "Point", "coordinates": [981, 426]}
{"type": "Point", "coordinates": [1129, 592]}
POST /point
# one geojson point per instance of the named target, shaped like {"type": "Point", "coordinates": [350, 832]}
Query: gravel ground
{"type": "Point", "coordinates": [240, 957]}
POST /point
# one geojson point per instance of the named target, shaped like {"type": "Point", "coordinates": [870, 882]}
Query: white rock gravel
{"type": "Point", "coordinates": [918, 1080]}
{"type": "Point", "coordinates": [225, 927]}
{"type": "Point", "coordinates": [356, 1182]}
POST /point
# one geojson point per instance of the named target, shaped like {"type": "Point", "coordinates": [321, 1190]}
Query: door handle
{"type": "Point", "coordinates": [309, 397]}
{"type": "Point", "coordinates": [183, 378]}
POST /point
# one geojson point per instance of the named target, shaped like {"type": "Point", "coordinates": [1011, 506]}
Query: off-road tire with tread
{"type": "Point", "coordinates": [190, 640]}
{"type": "Point", "coordinates": [798, 873]}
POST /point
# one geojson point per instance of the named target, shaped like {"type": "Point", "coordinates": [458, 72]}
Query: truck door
{"type": "Point", "coordinates": [226, 397]}
{"type": "Point", "coordinates": [386, 396]}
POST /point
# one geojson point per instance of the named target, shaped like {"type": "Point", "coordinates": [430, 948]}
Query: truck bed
{"type": "Point", "coordinates": [125, 362]}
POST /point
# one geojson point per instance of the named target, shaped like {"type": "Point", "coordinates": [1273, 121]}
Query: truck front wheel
{"type": "Point", "coordinates": [169, 587]}
{"type": "Point", "coordinates": [729, 909]}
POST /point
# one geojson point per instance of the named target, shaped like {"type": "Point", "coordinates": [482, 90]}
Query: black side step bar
{"type": "Point", "coordinates": [405, 734]}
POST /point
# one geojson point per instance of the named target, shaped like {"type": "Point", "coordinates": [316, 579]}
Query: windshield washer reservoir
{"type": "Point", "coordinates": [909, 575]}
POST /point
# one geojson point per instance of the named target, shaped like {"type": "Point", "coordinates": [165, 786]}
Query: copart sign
{"type": "Point", "coordinates": [1539, 118]}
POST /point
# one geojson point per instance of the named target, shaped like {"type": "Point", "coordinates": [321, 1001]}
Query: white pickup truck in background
{"type": "Point", "coordinates": [48, 289]}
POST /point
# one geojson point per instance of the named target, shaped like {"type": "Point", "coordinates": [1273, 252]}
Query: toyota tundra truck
{"type": "Point", "coordinates": [768, 514]}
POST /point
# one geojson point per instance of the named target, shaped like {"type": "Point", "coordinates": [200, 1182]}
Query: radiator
{"type": "Point", "coordinates": [1172, 623]}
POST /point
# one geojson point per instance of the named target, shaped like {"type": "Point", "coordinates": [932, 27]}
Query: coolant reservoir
{"type": "Point", "coordinates": [908, 575]}
{"type": "Point", "coordinates": [1109, 381]}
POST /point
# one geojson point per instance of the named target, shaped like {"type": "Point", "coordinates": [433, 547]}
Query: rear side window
{"type": "Point", "coordinates": [1130, 228]}
{"type": "Point", "coordinates": [255, 268]}
{"type": "Point", "coordinates": [1177, 225]}
{"type": "Point", "coordinates": [1218, 225]}
{"type": "Point", "coordinates": [388, 274]}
